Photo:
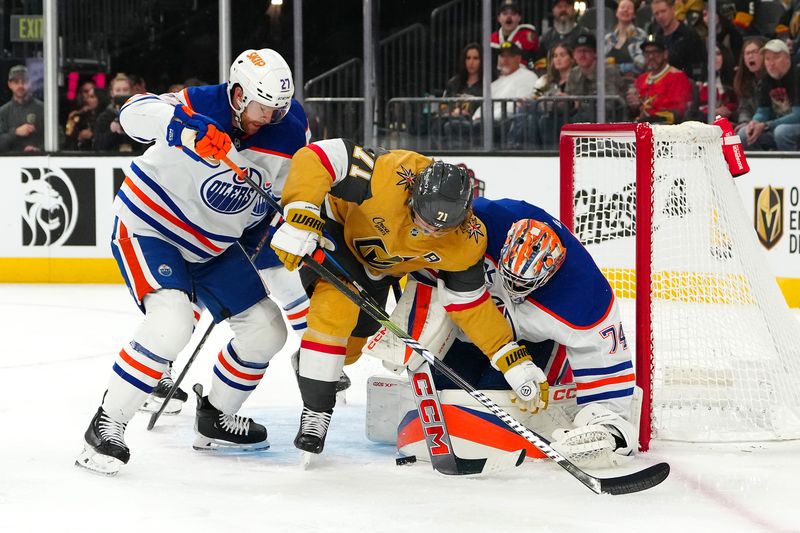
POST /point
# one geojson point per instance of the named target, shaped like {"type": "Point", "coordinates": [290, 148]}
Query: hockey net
{"type": "Point", "coordinates": [717, 349]}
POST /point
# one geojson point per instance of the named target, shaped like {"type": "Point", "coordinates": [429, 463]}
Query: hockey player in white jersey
{"type": "Point", "coordinates": [562, 308]}
{"type": "Point", "coordinates": [179, 217]}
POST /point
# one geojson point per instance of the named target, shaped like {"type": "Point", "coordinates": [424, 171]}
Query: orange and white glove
{"type": "Point", "coordinates": [528, 381]}
{"type": "Point", "coordinates": [197, 134]}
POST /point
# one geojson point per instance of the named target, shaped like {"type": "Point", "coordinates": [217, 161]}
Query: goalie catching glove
{"type": "Point", "coordinates": [197, 134]}
{"type": "Point", "coordinates": [527, 379]}
{"type": "Point", "coordinates": [601, 438]}
{"type": "Point", "coordinates": [299, 235]}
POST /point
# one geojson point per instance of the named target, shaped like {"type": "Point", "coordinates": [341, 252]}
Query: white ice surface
{"type": "Point", "coordinates": [58, 346]}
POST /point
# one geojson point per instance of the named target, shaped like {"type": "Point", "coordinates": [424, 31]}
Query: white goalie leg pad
{"type": "Point", "coordinates": [600, 439]}
{"type": "Point", "coordinates": [259, 333]}
{"type": "Point", "coordinates": [162, 334]}
{"type": "Point", "coordinates": [392, 418]}
{"type": "Point", "coordinates": [430, 324]}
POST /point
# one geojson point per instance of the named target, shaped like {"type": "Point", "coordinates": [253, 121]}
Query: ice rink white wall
{"type": "Point", "coordinates": [55, 211]}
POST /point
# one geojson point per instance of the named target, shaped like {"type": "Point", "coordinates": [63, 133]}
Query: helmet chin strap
{"type": "Point", "coordinates": [237, 113]}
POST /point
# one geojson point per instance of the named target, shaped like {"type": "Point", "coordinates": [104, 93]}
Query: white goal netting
{"type": "Point", "coordinates": [724, 347]}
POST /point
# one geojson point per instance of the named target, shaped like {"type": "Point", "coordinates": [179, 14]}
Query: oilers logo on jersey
{"type": "Point", "coordinates": [228, 194]}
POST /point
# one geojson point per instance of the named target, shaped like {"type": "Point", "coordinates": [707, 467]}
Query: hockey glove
{"type": "Point", "coordinates": [198, 134]}
{"type": "Point", "coordinates": [527, 379]}
{"type": "Point", "coordinates": [298, 235]}
{"type": "Point", "coordinates": [600, 439]}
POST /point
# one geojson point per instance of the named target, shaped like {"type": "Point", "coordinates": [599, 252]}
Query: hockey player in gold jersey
{"type": "Point", "coordinates": [389, 213]}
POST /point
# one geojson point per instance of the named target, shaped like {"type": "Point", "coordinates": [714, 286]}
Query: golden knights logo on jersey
{"type": "Point", "coordinates": [473, 228]}
{"type": "Point", "coordinates": [373, 251]}
{"type": "Point", "coordinates": [768, 213]}
{"type": "Point", "coordinates": [406, 178]}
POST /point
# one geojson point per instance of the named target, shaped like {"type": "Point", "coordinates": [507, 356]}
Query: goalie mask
{"type": "Point", "coordinates": [530, 256]}
{"type": "Point", "coordinates": [442, 195]}
{"type": "Point", "coordinates": [265, 78]}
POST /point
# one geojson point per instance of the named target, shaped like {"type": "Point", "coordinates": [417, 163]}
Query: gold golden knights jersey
{"type": "Point", "coordinates": [368, 194]}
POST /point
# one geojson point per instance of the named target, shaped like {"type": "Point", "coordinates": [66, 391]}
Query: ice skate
{"type": "Point", "coordinates": [313, 429]}
{"type": "Point", "coordinates": [216, 430]}
{"type": "Point", "coordinates": [156, 398]}
{"type": "Point", "coordinates": [104, 450]}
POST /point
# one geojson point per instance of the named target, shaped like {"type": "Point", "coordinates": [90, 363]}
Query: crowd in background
{"type": "Point", "coordinates": [91, 122]}
{"type": "Point", "coordinates": [655, 71]}
{"type": "Point", "coordinates": [655, 60]}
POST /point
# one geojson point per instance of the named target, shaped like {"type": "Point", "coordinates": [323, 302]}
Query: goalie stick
{"type": "Point", "coordinates": [624, 484]}
{"type": "Point", "coordinates": [174, 388]}
{"type": "Point", "coordinates": [437, 437]}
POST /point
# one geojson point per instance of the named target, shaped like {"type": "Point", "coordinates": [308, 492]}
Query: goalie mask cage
{"type": "Point", "coordinates": [717, 349]}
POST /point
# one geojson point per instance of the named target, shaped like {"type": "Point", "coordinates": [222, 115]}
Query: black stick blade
{"type": "Point", "coordinates": [638, 481]}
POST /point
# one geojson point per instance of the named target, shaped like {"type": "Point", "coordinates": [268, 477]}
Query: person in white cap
{"type": "Point", "coordinates": [776, 123]}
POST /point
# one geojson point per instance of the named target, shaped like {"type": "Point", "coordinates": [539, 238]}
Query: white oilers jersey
{"type": "Point", "coordinates": [576, 308]}
{"type": "Point", "coordinates": [198, 207]}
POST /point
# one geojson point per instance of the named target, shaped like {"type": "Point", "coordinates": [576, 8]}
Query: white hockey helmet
{"type": "Point", "coordinates": [265, 78]}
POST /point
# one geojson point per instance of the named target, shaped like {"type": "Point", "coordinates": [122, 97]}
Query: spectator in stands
{"type": "Point", "coordinates": [741, 14]}
{"type": "Point", "coordinates": [509, 17]}
{"type": "Point", "coordinates": [514, 83]}
{"type": "Point", "coordinates": [686, 50]}
{"type": "Point", "coordinates": [467, 83]}
{"type": "Point", "coordinates": [727, 34]}
{"type": "Point", "coordinates": [138, 85]}
{"type": "Point", "coordinates": [623, 44]}
{"type": "Point", "coordinates": [582, 80]}
{"type": "Point", "coordinates": [79, 129]}
{"type": "Point", "coordinates": [108, 133]}
{"type": "Point", "coordinates": [663, 93]}
{"type": "Point", "coordinates": [749, 74]}
{"type": "Point", "coordinates": [726, 99]}
{"type": "Point", "coordinates": [560, 61]}
{"type": "Point", "coordinates": [565, 28]}
{"type": "Point", "coordinates": [553, 83]}
{"type": "Point", "coordinates": [22, 117]}
{"type": "Point", "coordinates": [776, 123]}
{"type": "Point", "coordinates": [688, 10]}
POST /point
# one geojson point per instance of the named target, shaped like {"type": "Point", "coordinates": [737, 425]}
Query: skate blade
{"type": "Point", "coordinates": [98, 463]}
{"type": "Point", "coordinates": [153, 404]}
{"type": "Point", "coordinates": [341, 398]}
{"type": "Point", "coordinates": [308, 460]}
{"type": "Point", "coordinates": [204, 444]}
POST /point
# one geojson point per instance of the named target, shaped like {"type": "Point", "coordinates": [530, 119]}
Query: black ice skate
{"type": "Point", "coordinates": [156, 398]}
{"type": "Point", "coordinates": [215, 429]}
{"type": "Point", "coordinates": [105, 450]}
{"type": "Point", "coordinates": [313, 429]}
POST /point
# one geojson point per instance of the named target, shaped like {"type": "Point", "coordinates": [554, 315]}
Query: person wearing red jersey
{"type": "Point", "coordinates": [662, 94]}
{"type": "Point", "coordinates": [525, 36]}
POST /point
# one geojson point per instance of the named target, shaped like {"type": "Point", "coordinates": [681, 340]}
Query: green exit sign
{"type": "Point", "coordinates": [27, 28]}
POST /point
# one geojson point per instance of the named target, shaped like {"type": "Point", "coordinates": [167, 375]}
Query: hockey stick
{"type": "Point", "coordinates": [625, 484]}
{"type": "Point", "coordinates": [174, 388]}
{"type": "Point", "coordinates": [437, 437]}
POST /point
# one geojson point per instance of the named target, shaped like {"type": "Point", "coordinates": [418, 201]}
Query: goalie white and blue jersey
{"type": "Point", "coordinates": [576, 308]}
{"type": "Point", "coordinates": [198, 207]}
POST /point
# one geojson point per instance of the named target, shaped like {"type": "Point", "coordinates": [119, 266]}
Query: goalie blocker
{"type": "Point", "coordinates": [475, 432]}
